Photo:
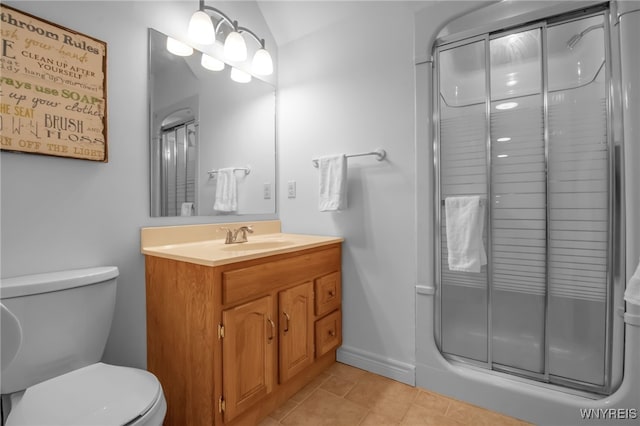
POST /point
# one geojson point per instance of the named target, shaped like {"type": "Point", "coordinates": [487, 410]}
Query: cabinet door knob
{"type": "Point", "coordinates": [287, 319]}
{"type": "Point", "coordinates": [332, 333]}
{"type": "Point", "coordinates": [332, 293]}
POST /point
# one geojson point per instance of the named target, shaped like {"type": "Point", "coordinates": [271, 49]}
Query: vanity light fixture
{"type": "Point", "coordinates": [178, 48]}
{"type": "Point", "coordinates": [202, 30]}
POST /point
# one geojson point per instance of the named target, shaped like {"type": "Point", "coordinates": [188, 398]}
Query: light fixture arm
{"type": "Point", "coordinates": [233, 24]}
{"type": "Point", "coordinates": [225, 18]}
{"type": "Point", "coordinates": [252, 34]}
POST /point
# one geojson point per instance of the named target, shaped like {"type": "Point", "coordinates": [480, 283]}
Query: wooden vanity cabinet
{"type": "Point", "coordinates": [231, 343]}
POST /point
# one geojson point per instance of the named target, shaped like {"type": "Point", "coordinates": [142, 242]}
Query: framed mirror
{"type": "Point", "coordinates": [212, 139]}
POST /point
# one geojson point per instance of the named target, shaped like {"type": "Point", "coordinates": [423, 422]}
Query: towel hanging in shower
{"type": "Point", "coordinates": [464, 225]}
{"type": "Point", "coordinates": [632, 293]}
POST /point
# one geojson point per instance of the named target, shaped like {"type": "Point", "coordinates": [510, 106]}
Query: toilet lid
{"type": "Point", "coordinates": [98, 394]}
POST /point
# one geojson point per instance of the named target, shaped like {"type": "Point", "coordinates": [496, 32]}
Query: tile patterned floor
{"type": "Point", "coordinates": [348, 396]}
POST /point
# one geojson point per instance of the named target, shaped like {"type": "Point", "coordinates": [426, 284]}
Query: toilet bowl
{"type": "Point", "coordinates": [99, 394]}
{"type": "Point", "coordinates": [54, 329]}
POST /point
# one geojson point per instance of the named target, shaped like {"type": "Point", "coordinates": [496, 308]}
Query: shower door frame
{"type": "Point", "coordinates": [615, 241]}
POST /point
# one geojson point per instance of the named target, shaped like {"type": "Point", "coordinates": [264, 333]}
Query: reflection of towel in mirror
{"type": "Point", "coordinates": [226, 191]}
{"type": "Point", "coordinates": [333, 182]}
{"type": "Point", "coordinates": [632, 293]}
{"type": "Point", "coordinates": [464, 225]}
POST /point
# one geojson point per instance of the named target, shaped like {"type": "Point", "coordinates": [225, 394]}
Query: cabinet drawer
{"type": "Point", "coordinates": [327, 293]}
{"type": "Point", "coordinates": [328, 333]}
{"type": "Point", "coordinates": [259, 279]}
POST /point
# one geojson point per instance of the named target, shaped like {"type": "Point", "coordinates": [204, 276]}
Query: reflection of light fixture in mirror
{"type": "Point", "coordinates": [211, 63]}
{"type": "Point", "coordinates": [507, 105]}
{"type": "Point", "coordinates": [502, 156]}
{"type": "Point", "coordinates": [178, 48]}
{"type": "Point", "coordinates": [240, 76]}
{"type": "Point", "coordinates": [503, 139]}
{"type": "Point", "coordinates": [202, 30]}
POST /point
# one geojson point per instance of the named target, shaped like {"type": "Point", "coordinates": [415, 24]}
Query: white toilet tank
{"type": "Point", "coordinates": [63, 322]}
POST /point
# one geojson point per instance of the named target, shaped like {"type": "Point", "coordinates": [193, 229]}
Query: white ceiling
{"type": "Point", "coordinates": [290, 20]}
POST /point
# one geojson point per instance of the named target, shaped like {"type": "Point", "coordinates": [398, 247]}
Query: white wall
{"type": "Point", "coordinates": [61, 213]}
{"type": "Point", "coordinates": [349, 88]}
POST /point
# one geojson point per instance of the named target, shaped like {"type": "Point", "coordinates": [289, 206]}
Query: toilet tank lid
{"type": "Point", "coordinates": [26, 285]}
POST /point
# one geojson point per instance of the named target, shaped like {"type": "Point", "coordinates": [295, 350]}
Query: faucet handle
{"type": "Point", "coordinates": [229, 237]}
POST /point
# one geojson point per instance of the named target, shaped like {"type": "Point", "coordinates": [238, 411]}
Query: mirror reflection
{"type": "Point", "coordinates": [212, 138]}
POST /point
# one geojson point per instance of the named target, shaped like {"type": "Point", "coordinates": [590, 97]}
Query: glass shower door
{"type": "Point", "coordinates": [462, 129]}
{"type": "Point", "coordinates": [523, 120]}
{"type": "Point", "coordinates": [518, 202]}
{"type": "Point", "coordinates": [178, 167]}
{"type": "Point", "coordinates": [579, 201]}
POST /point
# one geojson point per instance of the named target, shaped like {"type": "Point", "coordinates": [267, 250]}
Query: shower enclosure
{"type": "Point", "coordinates": [177, 166]}
{"type": "Point", "coordinates": [523, 119]}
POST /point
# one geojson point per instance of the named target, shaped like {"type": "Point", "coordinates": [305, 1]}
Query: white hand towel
{"type": "Point", "coordinates": [186, 209]}
{"type": "Point", "coordinates": [465, 222]}
{"type": "Point", "coordinates": [632, 293]}
{"type": "Point", "coordinates": [226, 191]}
{"type": "Point", "coordinates": [333, 182]}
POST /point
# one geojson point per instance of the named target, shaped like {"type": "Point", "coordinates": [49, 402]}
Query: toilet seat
{"type": "Point", "coordinates": [99, 394]}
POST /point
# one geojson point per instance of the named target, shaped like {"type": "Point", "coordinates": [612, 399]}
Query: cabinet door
{"type": "Point", "coordinates": [296, 329]}
{"type": "Point", "coordinates": [248, 355]}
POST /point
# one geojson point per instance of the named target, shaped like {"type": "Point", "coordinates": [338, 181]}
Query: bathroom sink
{"type": "Point", "coordinates": [256, 245]}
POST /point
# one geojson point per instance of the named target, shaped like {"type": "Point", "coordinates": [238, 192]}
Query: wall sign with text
{"type": "Point", "coordinates": [53, 89]}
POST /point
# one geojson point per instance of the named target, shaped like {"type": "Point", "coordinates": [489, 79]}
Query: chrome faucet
{"type": "Point", "coordinates": [237, 235]}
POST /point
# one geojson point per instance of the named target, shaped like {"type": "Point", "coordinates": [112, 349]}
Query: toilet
{"type": "Point", "coordinates": [54, 330]}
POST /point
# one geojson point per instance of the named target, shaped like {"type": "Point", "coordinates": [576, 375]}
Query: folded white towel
{"type": "Point", "coordinates": [333, 182]}
{"type": "Point", "coordinates": [226, 191]}
{"type": "Point", "coordinates": [632, 293]}
{"type": "Point", "coordinates": [465, 222]}
{"type": "Point", "coordinates": [186, 209]}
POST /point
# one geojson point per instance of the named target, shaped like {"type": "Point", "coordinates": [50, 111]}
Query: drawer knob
{"type": "Point", "coordinates": [332, 333]}
{"type": "Point", "coordinates": [332, 293]}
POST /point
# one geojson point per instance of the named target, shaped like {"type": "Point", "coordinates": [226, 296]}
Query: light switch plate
{"type": "Point", "coordinates": [267, 190]}
{"type": "Point", "coordinates": [291, 189]}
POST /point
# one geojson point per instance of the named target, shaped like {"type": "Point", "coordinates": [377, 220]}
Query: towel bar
{"type": "Point", "coordinates": [380, 154]}
{"type": "Point", "coordinates": [246, 171]}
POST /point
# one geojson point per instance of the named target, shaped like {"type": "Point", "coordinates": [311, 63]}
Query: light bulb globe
{"type": "Point", "coordinates": [262, 63]}
{"type": "Point", "coordinates": [178, 48]}
{"type": "Point", "coordinates": [211, 63]}
{"type": "Point", "coordinates": [235, 49]}
{"type": "Point", "coordinates": [240, 76]}
{"type": "Point", "coordinates": [201, 28]}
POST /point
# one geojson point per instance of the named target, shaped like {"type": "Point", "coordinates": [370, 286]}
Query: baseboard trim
{"type": "Point", "coordinates": [393, 369]}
